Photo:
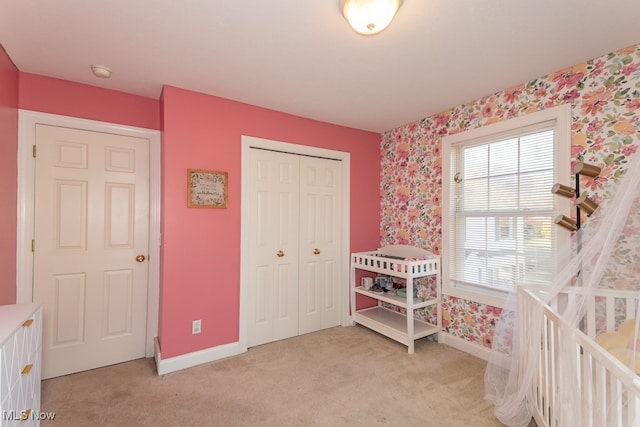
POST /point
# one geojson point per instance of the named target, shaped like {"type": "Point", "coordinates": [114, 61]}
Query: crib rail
{"type": "Point", "coordinates": [595, 389]}
{"type": "Point", "coordinates": [616, 306]}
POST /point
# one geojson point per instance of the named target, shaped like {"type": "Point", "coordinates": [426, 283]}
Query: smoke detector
{"type": "Point", "coordinates": [101, 71]}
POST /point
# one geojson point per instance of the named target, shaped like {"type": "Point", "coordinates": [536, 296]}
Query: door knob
{"type": "Point", "coordinates": [140, 258]}
{"type": "Point", "coordinates": [316, 251]}
{"type": "Point", "coordinates": [280, 254]}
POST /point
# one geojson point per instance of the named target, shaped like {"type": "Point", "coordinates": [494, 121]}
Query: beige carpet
{"type": "Point", "coordinates": [337, 377]}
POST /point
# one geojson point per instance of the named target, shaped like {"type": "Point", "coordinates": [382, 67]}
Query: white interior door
{"type": "Point", "coordinates": [320, 210]}
{"type": "Point", "coordinates": [91, 223]}
{"type": "Point", "coordinates": [273, 257]}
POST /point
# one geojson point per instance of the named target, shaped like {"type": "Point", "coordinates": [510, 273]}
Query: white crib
{"type": "Point", "coordinates": [603, 391]}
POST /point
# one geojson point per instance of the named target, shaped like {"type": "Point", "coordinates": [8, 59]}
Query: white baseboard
{"type": "Point", "coordinates": [473, 349]}
{"type": "Point", "coordinates": [196, 358]}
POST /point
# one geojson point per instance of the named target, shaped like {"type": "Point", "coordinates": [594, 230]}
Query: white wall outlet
{"type": "Point", "coordinates": [196, 326]}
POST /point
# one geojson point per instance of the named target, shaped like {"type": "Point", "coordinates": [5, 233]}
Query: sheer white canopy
{"type": "Point", "coordinates": [604, 256]}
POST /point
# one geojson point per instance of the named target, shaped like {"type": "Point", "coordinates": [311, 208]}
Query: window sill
{"type": "Point", "coordinates": [493, 298]}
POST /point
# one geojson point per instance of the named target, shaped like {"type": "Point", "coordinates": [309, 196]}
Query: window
{"type": "Point", "coordinates": [498, 209]}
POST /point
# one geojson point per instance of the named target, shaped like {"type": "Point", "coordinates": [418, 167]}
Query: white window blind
{"type": "Point", "coordinates": [501, 209]}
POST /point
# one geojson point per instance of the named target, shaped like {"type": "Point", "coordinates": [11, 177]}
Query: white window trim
{"type": "Point", "coordinates": [562, 167]}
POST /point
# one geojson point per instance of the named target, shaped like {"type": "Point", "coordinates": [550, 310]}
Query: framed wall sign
{"type": "Point", "coordinates": [206, 189]}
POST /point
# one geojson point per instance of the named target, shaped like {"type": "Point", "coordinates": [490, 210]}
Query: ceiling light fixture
{"type": "Point", "coordinates": [369, 16]}
{"type": "Point", "coordinates": [101, 71]}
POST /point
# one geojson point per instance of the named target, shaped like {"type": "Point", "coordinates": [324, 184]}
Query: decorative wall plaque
{"type": "Point", "coordinates": [206, 188]}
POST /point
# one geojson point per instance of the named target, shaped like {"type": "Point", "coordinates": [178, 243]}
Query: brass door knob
{"type": "Point", "coordinates": [316, 251]}
{"type": "Point", "coordinates": [140, 258]}
{"type": "Point", "coordinates": [280, 254]}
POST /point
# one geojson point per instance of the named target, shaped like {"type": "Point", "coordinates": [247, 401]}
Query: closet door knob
{"type": "Point", "coordinates": [280, 254]}
{"type": "Point", "coordinates": [316, 251]}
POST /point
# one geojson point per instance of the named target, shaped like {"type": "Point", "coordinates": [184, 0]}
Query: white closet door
{"type": "Point", "coordinates": [320, 229]}
{"type": "Point", "coordinates": [273, 259]}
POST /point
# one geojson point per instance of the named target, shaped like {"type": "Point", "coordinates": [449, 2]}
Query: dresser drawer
{"type": "Point", "coordinates": [20, 364]}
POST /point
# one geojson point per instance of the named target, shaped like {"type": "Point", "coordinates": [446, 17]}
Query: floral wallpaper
{"type": "Point", "coordinates": [604, 94]}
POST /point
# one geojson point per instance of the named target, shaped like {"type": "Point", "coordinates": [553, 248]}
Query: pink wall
{"type": "Point", "coordinates": [8, 176]}
{"type": "Point", "coordinates": [201, 247]}
{"type": "Point", "coordinates": [49, 95]}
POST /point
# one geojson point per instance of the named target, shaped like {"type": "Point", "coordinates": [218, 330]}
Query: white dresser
{"type": "Point", "coordinates": [20, 361]}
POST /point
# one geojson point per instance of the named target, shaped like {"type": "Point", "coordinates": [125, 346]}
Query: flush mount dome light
{"type": "Point", "coordinates": [101, 71]}
{"type": "Point", "coordinates": [369, 16]}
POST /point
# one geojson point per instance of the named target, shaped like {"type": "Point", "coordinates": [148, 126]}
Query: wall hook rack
{"type": "Point", "coordinates": [582, 203]}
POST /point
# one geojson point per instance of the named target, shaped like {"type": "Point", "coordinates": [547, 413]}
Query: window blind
{"type": "Point", "coordinates": [502, 209]}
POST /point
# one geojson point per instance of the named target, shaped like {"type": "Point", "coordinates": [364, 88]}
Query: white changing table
{"type": "Point", "coordinates": [406, 262]}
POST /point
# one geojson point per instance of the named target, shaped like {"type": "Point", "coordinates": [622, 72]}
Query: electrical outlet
{"type": "Point", "coordinates": [196, 326]}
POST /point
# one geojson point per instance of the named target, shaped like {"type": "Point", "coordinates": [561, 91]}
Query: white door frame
{"type": "Point", "coordinates": [249, 142]}
{"type": "Point", "coordinates": [26, 212]}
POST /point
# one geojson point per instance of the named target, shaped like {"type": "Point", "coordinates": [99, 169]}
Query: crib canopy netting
{"type": "Point", "coordinates": [605, 254]}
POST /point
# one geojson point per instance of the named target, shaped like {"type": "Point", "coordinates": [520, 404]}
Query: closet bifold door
{"type": "Point", "coordinates": [320, 231]}
{"type": "Point", "coordinates": [274, 252]}
{"type": "Point", "coordinates": [294, 256]}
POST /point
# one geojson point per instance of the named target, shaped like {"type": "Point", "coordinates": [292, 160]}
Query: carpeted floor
{"type": "Point", "coordinates": [337, 377]}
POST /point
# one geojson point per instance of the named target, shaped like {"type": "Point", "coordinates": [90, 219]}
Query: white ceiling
{"type": "Point", "coordinates": [301, 57]}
